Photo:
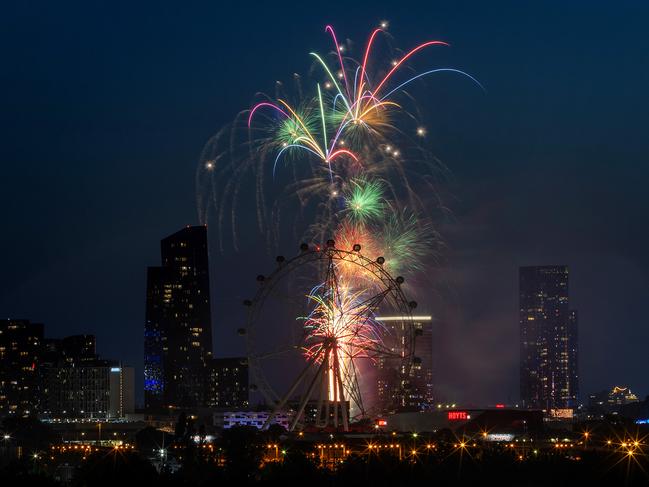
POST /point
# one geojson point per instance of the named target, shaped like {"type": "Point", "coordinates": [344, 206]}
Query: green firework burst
{"type": "Point", "coordinates": [291, 131]}
{"type": "Point", "coordinates": [364, 201]}
{"type": "Point", "coordinates": [406, 241]}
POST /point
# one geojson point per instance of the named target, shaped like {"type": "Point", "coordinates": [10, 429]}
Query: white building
{"type": "Point", "coordinates": [257, 419]}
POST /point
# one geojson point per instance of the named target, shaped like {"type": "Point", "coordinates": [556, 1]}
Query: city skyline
{"type": "Point", "coordinates": [543, 299]}
{"type": "Point", "coordinates": [117, 180]}
{"type": "Point", "coordinates": [60, 378]}
{"type": "Point", "coordinates": [383, 243]}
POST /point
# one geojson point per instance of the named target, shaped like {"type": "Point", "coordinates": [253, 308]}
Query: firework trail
{"type": "Point", "coordinates": [312, 151]}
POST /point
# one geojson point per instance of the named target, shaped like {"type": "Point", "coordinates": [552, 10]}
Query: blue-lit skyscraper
{"type": "Point", "coordinates": [178, 327]}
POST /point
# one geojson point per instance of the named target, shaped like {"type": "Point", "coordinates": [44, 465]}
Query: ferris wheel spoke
{"type": "Point", "coordinates": [277, 352]}
{"type": "Point", "coordinates": [288, 298]}
{"type": "Point", "coordinates": [355, 393]}
{"type": "Point", "coordinates": [380, 350]}
{"type": "Point", "coordinates": [293, 388]}
{"type": "Point", "coordinates": [375, 300]}
{"type": "Point", "coordinates": [351, 384]}
{"type": "Point", "coordinates": [364, 310]}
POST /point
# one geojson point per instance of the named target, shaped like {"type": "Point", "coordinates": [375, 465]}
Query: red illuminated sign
{"type": "Point", "coordinates": [500, 406]}
{"type": "Point", "coordinates": [381, 422]}
{"type": "Point", "coordinates": [458, 415]}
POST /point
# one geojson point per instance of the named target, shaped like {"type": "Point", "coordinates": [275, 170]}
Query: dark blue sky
{"type": "Point", "coordinates": [105, 107]}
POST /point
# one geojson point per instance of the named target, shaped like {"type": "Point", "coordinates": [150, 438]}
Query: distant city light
{"type": "Point", "coordinates": [402, 318]}
{"type": "Point", "coordinates": [458, 415]}
{"type": "Point", "coordinates": [497, 437]}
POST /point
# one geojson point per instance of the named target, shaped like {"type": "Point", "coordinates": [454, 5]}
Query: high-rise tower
{"type": "Point", "coordinates": [418, 396]}
{"type": "Point", "coordinates": [21, 347]}
{"type": "Point", "coordinates": [548, 339]}
{"type": "Point", "coordinates": [178, 328]}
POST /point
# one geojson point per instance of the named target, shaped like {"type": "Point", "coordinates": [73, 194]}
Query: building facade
{"type": "Point", "coordinates": [178, 327]}
{"type": "Point", "coordinates": [230, 419]}
{"type": "Point", "coordinates": [419, 396]}
{"type": "Point", "coordinates": [548, 339]}
{"type": "Point", "coordinates": [228, 383]}
{"type": "Point", "coordinates": [416, 393]}
{"type": "Point", "coordinates": [20, 362]}
{"type": "Point", "coordinates": [101, 389]}
{"type": "Point", "coordinates": [59, 378]}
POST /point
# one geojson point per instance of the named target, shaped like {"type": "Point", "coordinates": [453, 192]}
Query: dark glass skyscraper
{"type": "Point", "coordinates": [548, 332]}
{"type": "Point", "coordinates": [420, 395]}
{"type": "Point", "coordinates": [20, 361]}
{"type": "Point", "coordinates": [178, 328]}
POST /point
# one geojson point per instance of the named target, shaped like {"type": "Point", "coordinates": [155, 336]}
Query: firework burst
{"type": "Point", "coordinates": [340, 331]}
{"type": "Point", "coordinates": [342, 317]}
{"type": "Point", "coordinates": [350, 161]}
{"type": "Point", "coordinates": [364, 201]}
{"type": "Point", "coordinates": [342, 145]}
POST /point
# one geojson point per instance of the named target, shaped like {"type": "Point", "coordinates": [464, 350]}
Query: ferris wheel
{"type": "Point", "coordinates": [315, 343]}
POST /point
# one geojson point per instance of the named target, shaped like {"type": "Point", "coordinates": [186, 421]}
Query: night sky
{"type": "Point", "coordinates": [105, 107]}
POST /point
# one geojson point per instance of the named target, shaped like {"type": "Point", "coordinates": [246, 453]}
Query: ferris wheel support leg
{"type": "Point", "coordinates": [327, 404]}
{"type": "Point", "coordinates": [290, 392]}
{"type": "Point", "coordinates": [307, 396]}
{"type": "Point", "coordinates": [320, 421]}
{"type": "Point", "coordinates": [356, 397]}
{"type": "Point", "coordinates": [343, 408]}
{"type": "Point", "coordinates": [335, 371]}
